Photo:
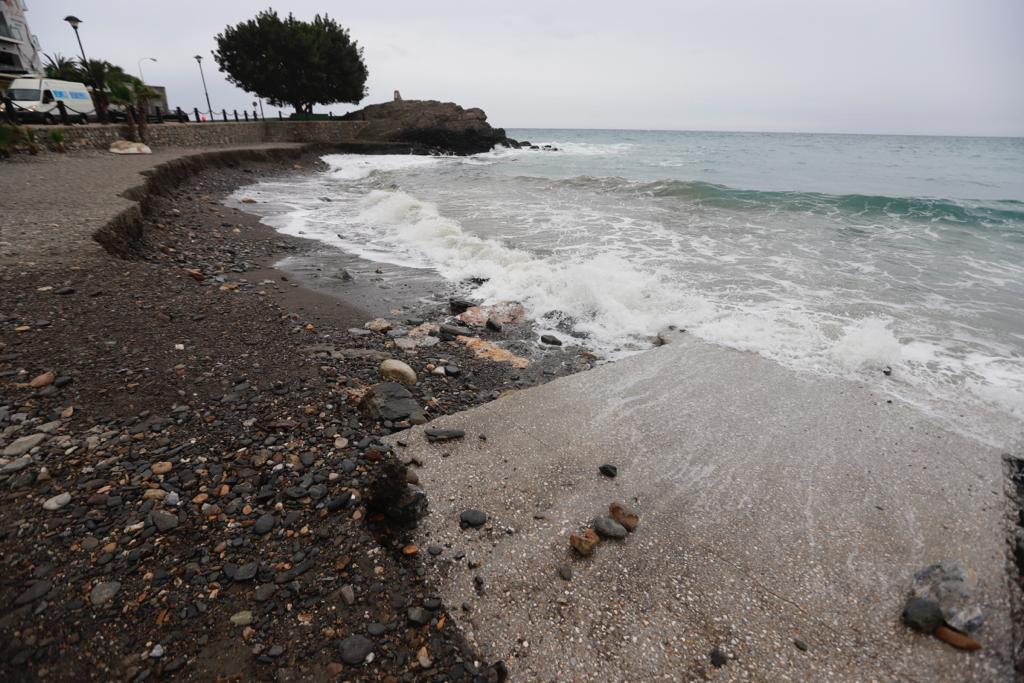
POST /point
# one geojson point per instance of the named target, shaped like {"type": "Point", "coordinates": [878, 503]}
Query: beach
{"type": "Point", "coordinates": [196, 393]}
{"type": "Point", "coordinates": [204, 476]}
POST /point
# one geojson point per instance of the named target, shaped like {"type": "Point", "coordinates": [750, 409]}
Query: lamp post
{"type": "Point", "coordinates": [144, 59]}
{"type": "Point", "coordinates": [98, 95]}
{"type": "Point", "coordinates": [209, 107]}
{"type": "Point", "coordinates": [75, 21]}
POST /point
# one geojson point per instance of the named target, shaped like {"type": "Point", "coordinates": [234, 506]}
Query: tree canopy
{"type": "Point", "coordinates": [293, 62]}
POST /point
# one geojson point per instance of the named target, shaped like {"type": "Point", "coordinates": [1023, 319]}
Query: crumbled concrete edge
{"type": "Point", "coordinates": [1014, 469]}
{"type": "Point", "coordinates": [123, 235]}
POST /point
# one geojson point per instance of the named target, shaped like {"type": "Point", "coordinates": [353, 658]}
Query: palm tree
{"type": "Point", "coordinates": [62, 68]}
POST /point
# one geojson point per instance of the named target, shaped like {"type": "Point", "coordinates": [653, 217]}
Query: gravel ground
{"type": "Point", "coordinates": [189, 486]}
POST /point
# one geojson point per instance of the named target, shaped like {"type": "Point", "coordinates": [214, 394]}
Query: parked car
{"type": "Point", "coordinates": [36, 100]}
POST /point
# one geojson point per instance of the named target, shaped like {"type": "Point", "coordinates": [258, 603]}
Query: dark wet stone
{"type": "Point", "coordinates": [565, 571]}
{"type": "Point", "coordinates": [265, 592]}
{"type": "Point", "coordinates": [444, 434]}
{"type": "Point", "coordinates": [247, 571]}
{"type": "Point", "coordinates": [432, 603]}
{"type": "Point", "coordinates": [164, 521]}
{"type": "Point", "coordinates": [609, 528]}
{"type": "Point", "coordinates": [551, 340]}
{"type": "Point", "coordinates": [473, 517]}
{"type": "Point", "coordinates": [435, 550]}
{"type": "Point", "coordinates": [338, 502]}
{"type": "Point", "coordinates": [800, 645]}
{"type": "Point", "coordinates": [718, 658]}
{"type": "Point", "coordinates": [922, 614]}
{"type": "Point", "coordinates": [608, 470]}
{"type": "Point", "coordinates": [418, 616]}
{"type": "Point", "coordinates": [354, 649]}
{"type": "Point", "coordinates": [37, 590]}
{"type": "Point", "coordinates": [264, 524]}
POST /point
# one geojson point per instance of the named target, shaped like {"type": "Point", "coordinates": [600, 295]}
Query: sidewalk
{"type": "Point", "coordinates": [51, 205]}
{"type": "Point", "coordinates": [773, 507]}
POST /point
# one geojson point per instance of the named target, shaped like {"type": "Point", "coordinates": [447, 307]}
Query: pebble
{"type": "Point", "coordinates": [354, 649]}
{"type": "Point", "coordinates": [800, 645]}
{"type": "Point", "coordinates": [922, 614]}
{"type": "Point", "coordinates": [418, 616]}
{"type": "Point", "coordinates": [37, 590]}
{"type": "Point", "coordinates": [444, 434]}
{"type": "Point", "coordinates": [164, 521]}
{"type": "Point", "coordinates": [243, 618]}
{"type": "Point", "coordinates": [57, 502]}
{"type": "Point", "coordinates": [565, 571]}
{"type": "Point", "coordinates": [247, 571]}
{"type": "Point", "coordinates": [608, 470]}
{"type": "Point", "coordinates": [472, 518]}
{"type": "Point", "coordinates": [162, 467]}
{"type": "Point", "coordinates": [718, 658]}
{"type": "Point", "coordinates": [264, 524]}
{"type": "Point", "coordinates": [624, 516]}
{"type": "Point", "coordinates": [609, 528]}
{"type": "Point", "coordinates": [348, 593]}
{"type": "Point", "coordinates": [584, 542]}
{"type": "Point", "coordinates": [23, 445]}
{"type": "Point", "coordinates": [551, 340]}
{"type": "Point", "coordinates": [103, 592]}
{"type": "Point", "coordinates": [397, 371]}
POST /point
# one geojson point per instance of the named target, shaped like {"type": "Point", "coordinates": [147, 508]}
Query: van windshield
{"type": "Point", "coordinates": [23, 94]}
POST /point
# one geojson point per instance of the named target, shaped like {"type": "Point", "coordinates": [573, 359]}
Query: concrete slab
{"type": "Point", "coordinates": [36, 223]}
{"type": "Point", "coordinates": [774, 507]}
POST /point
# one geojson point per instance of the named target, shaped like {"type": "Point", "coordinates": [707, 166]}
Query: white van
{"type": "Point", "coordinates": [36, 99]}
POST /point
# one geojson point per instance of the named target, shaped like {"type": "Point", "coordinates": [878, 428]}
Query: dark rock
{"type": "Point", "coordinates": [444, 434]}
{"type": "Point", "coordinates": [452, 331]}
{"type": "Point", "coordinates": [418, 616]}
{"type": "Point", "coordinates": [472, 518]}
{"type": "Point", "coordinates": [264, 524]}
{"type": "Point", "coordinates": [922, 614]}
{"type": "Point", "coordinates": [247, 571]}
{"type": "Point", "coordinates": [391, 401]}
{"type": "Point", "coordinates": [37, 590]}
{"type": "Point", "coordinates": [565, 571]}
{"type": "Point", "coordinates": [459, 305]}
{"type": "Point", "coordinates": [164, 521]}
{"type": "Point", "coordinates": [354, 649]}
{"type": "Point", "coordinates": [800, 645]}
{"type": "Point", "coordinates": [609, 528]}
{"type": "Point", "coordinates": [608, 470]}
{"type": "Point", "coordinates": [429, 126]}
{"type": "Point", "coordinates": [494, 325]}
{"type": "Point", "coordinates": [551, 340]}
{"type": "Point", "coordinates": [718, 658]}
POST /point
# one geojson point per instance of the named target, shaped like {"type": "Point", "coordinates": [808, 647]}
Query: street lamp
{"type": "Point", "coordinates": [144, 59]}
{"type": "Point", "coordinates": [199, 61]}
{"type": "Point", "coordinates": [75, 21]}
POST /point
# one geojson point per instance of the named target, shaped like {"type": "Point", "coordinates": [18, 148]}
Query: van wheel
{"type": "Point", "coordinates": [50, 119]}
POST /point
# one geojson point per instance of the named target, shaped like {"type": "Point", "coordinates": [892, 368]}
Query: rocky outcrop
{"type": "Point", "coordinates": [430, 126]}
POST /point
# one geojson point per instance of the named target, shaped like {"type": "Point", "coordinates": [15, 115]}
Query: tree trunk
{"type": "Point", "coordinates": [142, 104]}
{"type": "Point", "coordinates": [129, 119]}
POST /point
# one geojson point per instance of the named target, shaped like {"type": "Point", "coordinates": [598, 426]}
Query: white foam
{"type": "Point", "coordinates": [615, 279]}
{"type": "Point", "coordinates": [359, 166]}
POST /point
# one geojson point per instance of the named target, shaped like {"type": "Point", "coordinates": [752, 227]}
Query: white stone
{"type": "Point", "coordinates": [397, 371]}
{"type": "Point", "coordinates": [126, 147]}
{"type": "Point", "coordinates": [57, 502]}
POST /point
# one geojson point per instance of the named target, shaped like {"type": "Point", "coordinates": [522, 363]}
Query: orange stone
{"type": "Point", "coordinates": [585, 541]}
{"type": "Point", "coordinates": [624, 516]}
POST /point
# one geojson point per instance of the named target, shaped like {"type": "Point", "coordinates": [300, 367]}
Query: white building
{"type": "Point", "coordinates": [19, 49]}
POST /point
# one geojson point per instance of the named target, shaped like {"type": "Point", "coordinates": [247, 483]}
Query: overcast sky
{"type": "Point", "coordinates": [856, 66]}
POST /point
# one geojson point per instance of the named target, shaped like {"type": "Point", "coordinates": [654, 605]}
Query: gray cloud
{"type": "Point", "coordinates": [868, 66]}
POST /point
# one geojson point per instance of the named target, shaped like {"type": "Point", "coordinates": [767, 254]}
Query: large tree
{"type": "Point", "coordinates": [298, 63]}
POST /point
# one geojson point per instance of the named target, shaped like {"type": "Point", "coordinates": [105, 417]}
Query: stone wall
{"type": "Point", "coordinates": [209, 134]}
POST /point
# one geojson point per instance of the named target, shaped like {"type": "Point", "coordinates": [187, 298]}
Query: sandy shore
{"type": "Point", "coordinates": [782, 520]}
{"type": "Point", "coordinates": [188, 487]}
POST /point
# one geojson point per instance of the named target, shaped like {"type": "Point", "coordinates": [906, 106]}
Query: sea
{"type": "Point", "coordinates": [891, 260]}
